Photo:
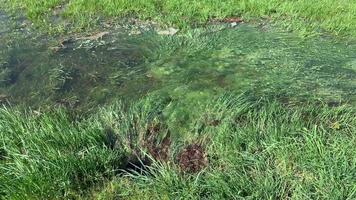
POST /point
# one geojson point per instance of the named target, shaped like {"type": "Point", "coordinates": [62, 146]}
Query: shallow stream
{"type": "Point", "coordinates": [189, 68]}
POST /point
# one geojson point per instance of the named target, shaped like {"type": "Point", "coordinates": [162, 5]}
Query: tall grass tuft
{"type": "Point", "coordinates": [256, 148]}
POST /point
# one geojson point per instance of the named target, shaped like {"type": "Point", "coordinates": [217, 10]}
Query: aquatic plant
{"type": "Point", "coordinates": [59, 77]}
{"type": "Point", "coordinates": [5, 76]}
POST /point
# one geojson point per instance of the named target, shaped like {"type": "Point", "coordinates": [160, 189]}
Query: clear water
{"type": "Point", "coordinates": [189, 68]}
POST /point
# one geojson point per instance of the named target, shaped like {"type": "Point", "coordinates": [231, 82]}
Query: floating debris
{"type": "Point", "coordinates": [65, 43]}
{"type": "Point", "coordinates": [232, 20]}
{"type": "Point", "coordinates": [135, 32]}
{"type": "Point", "coordinates": [233, 24]}
{"type": "Point", "coordinates": [169, 31]}
{"type": "Point", "coordinates": [96, 36]}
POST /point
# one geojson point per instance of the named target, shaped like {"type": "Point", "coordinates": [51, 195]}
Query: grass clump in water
{"type": "Point", "coordinates": [249, 148]}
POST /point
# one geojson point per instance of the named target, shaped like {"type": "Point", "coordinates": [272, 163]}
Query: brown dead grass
{"type": "Point", "coordinates": [192, 159]}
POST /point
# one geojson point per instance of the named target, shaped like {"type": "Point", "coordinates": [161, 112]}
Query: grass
{"type": "Point", "coordinates": [338, 17]}
{"type": "Point", "coordinates": [257, 149]}
{"type": "Point", "coordinates": [248, 146]}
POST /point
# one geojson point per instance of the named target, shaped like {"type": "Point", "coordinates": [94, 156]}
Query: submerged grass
{"type": "Point", "coordinates": [163, 147]}
{"type": "Point", "coordinates": [256, 148]}
{"type": "Point", "coordinates": [338, 17]}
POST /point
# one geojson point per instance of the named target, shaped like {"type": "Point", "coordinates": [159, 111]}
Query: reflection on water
{"type": "Point", "coordinates": [191, 67]}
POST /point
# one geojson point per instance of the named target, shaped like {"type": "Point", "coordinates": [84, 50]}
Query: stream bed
{"type": "Point", "coordinates": [189, 67]}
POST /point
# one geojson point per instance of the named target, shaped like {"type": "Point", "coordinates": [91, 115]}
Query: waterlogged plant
{"type": "Point", "coordinates": [117, 78]}
{"type": "Point", "coordinates": [59, 77]}
{"type": "Point", "coordinates": [5, 75]}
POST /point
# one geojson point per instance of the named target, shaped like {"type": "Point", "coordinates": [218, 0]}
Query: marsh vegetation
{"type": "Point", "coordinates": [219, 110]}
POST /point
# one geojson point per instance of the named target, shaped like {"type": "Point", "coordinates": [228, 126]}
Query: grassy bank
{"type": "Point", "coordinates": [338, 17]}
{"type": "Point", "coordinates": [240, 147]}
{"type": "Point", "coordinates": [292, 136]}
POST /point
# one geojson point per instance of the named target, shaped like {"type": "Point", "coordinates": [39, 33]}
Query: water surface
{"type": "Point", "coordinates": [189, 68]}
